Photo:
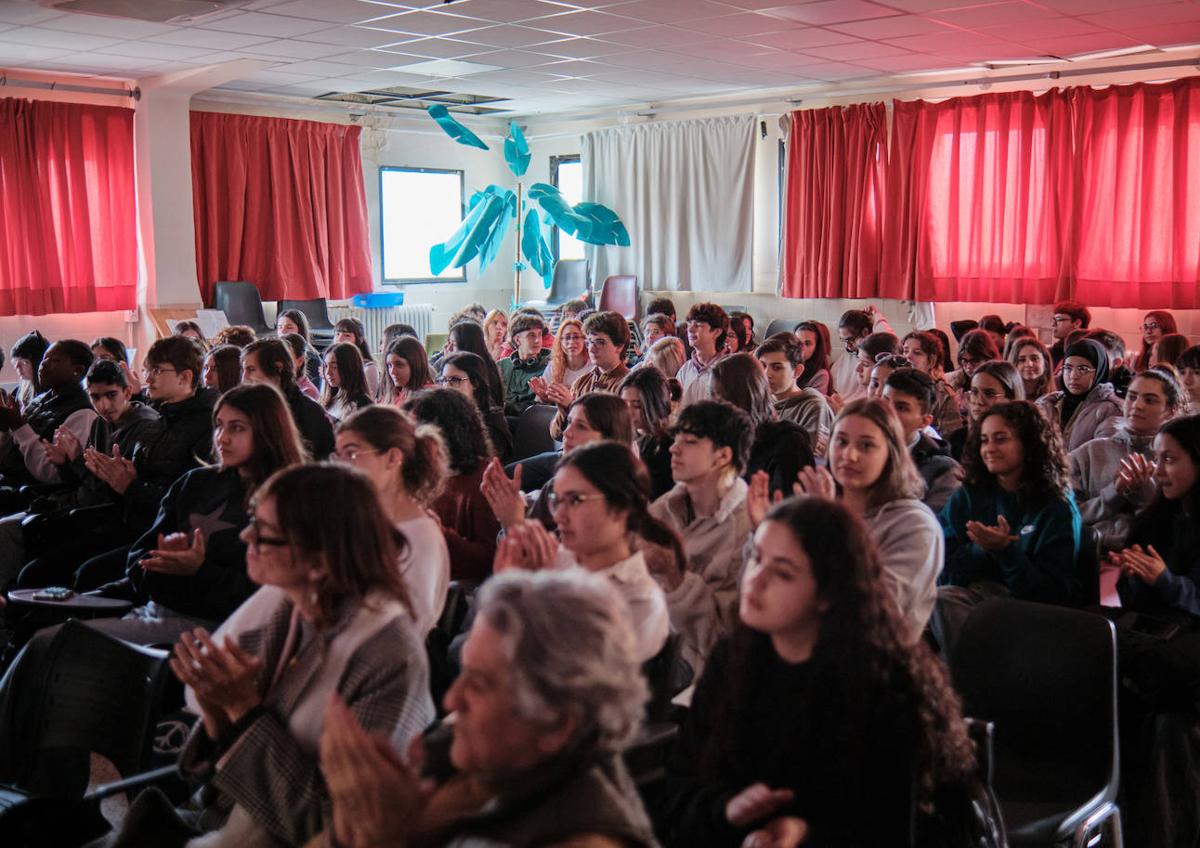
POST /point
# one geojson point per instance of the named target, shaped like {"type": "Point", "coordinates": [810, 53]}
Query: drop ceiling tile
{"type": "Point", "coordinates": [783, 61]}
{"type": "Point", "coordinates": [854, 52]}
{"type": "Point", "coordinates": [802, 39]}
{"type": "Point", "coordinates": [372, 59]}
{"type": "Point", "coordinates": [634, 77]}
{"type": "Point", "coordinates": [1161, 36]}
{"type": "Point", "coordinates": [1077, 45]}
{"type": "Point", "coordinates": [730, 50]}
{"type": "Point", "coordinates": [504, 11]}
{"type": "Point", "coordinates": [384, 79]}
{"type": "Point", "coordinates": [922, 6]}
{"type": "Point", "coordinates": [659, 37]}
{"type": "Point", "coordinates": [741, 24]}
{"type": "Point", "coordinates": [122, 29]}
{"type": "Point", "coordinates": [895, 27]}
{"type": "Point", "coordinates": [1085, 7]}
{"type": "Point", "coordinates": [647, 60]}
{"type": "Point", "coordinates": [350, 37]}
{"type": "Point", "coordinates": [935, 44]}
{"type": "Point", "coordinates": [671, 11]}
{"type": "Point", "coordinates": [324, 10]}
{"type": "Point", "coordinates": [265, 24]}
{"type": "Point", "coordinates": [422, 23]}
{"type": "Point", "coordinates": [212, 39]}
{"type": "Point", "coordinates": [581, 48]}
{"type": "Point", "coordinates": [317, 68]}
{"type": "Point", "coordinates": [584, 86]}
{"type": "Point", "coordinates": [515, 58]}
{"type": "Point", "coordinates": [832, 11]}
{"type": "Point", "coordinates": [56, 39]}
{"type": "Point", "coordinates": [573, 68]}
{"type": "Point", "coordinates": [834, 71]}
{"type": "Point", "coordinates": [1157, 15]}
{"type": "Point", "coordinates": [525, 78]}
{"type": "Point", "coordinates": [994, 14]}
{"type": "Point", "coordinates": [506, 35]}
{"type": "Point", "coordinates": [587, 22]}
{"type": "Point", "coordinates": [908, 63]}
{"type": "Point", "coordinates": [435, 48]}
{"type": "Point", "coordinates": [96, 63]}
{"type": "Point", "coordinates": [1048, 28]}
{"type": "Point", "coordinates": [151, 50]}
{"type": "Point", "coordinates": [26, 13]}
{"type": "Point", "coordinates": [287, 48]}
{"type": "Point", "coordinates": [273, 77]}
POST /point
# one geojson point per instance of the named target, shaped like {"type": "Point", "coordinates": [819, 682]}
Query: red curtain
{"type": "Point", "coordinates": [834, 201]}
{"type": "Point", "coordinates": [980, 199]}
{"type": "Point", "coordinates": [1138, 199]}
{"type": "Point", "coordinates": [68, 209]}
{"type": "Point", "coordinates": [281, 204]}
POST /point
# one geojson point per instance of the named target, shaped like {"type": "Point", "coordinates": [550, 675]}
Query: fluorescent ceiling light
{"type": "Point", "coordinates": [446, 68]}
{"type": "Point", "coordinates": [1112, 54]}
{"type": "Point", "coordinates": [992, 64]}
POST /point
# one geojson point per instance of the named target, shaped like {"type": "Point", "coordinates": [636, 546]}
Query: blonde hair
{"type": "Point", "coordinates": [493, 318]}
{"type": "Point", "coordinates": [667, 355]}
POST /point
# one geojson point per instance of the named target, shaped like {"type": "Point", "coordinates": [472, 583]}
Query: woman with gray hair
{"type": "Point", "coordinates": [550, 694]}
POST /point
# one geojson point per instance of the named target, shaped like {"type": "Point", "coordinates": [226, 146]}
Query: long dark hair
{"type": "Point", "coordinates": [1155, 519]}
{"type": "Point", "coordinates": [476, 369]}
{"type": "Point", "coordinates": [346, 530]}
{"type": "Point", "coordinates": [468, 338]}
{"type": "Point", "coordinates": [978, 344]}
{"type": "Point", "coordinates": [739, 379]}
{"type": "Point", "coordinates": [1045, 470]}
{"type": "Point", "coordinates": [623, 480]}
{"type": "Point", "coordinates": [354, 326]}
{"type": "Point", "coordinates": [860, 657]}
{"type": "Point", "coordinates": [419, 376]}
{"type": "Point", "coordinates": [1166, 323]}
{"type": "Point", "coordinates": [299, 319]}
{"type": "Point", "coordinates": [654, 396]}
{"type": "Point", "coordinates": [227, 360]}
{"type": "Point", "coordinates": [352, 381]}
{"type": "Point", "coordinates": [461, 424]}
{"type": "Point", "coordinates": [277, 442]}
{"type": "Point", "coordinates": [608, 414]}
{"type": "Point", "coordinates": [820, 356]}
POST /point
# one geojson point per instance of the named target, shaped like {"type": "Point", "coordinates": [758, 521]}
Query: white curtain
{"type": "Point", "coordinates": [685, 191]}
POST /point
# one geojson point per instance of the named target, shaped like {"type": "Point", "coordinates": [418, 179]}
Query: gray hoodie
{"type": "Point", "coordinates": [911, 549]}
{"type": "Point", "coordinates": [1094, 467]}
{"type": "Point", "coordinates": [1100, 405]}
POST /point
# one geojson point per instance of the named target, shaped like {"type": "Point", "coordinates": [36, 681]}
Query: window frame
{"type": "Point", "coordinates": [418, 281]}
{"type": "Point", "coordinates": [555, 163]}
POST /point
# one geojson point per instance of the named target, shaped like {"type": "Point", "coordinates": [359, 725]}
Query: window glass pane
{"type": "Point", "coordinates": [418, 209]}
{"type": "Point", "coordinates": [570, 183]}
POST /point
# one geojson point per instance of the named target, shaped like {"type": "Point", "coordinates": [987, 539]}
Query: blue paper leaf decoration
{"type": "Point", "coordinates": [480, 233]}
{"type": "Point", "coordinates": [535, 248]}
{"type": "Point", "coordinates": [516, 150]}
{"type": "Point", "coordinates": [592, 223]}
{"type": "Point", "coordinates": [453, 128]}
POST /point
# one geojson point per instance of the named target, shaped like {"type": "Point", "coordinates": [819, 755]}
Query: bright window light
{"type": "Point", "coordinates": [418, 208]}
{"type": "Point", "coordinates": [570, 182]}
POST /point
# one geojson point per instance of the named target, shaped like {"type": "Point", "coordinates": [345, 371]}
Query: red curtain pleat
{"type": "Point", "coordinates": [279, 203]}
{"type": "Point", "coordinates": [1138, 197]}
{"type": "Point", "coordinates": [834, 194]}
{"type": "Point", "coordinates": [68, 208]}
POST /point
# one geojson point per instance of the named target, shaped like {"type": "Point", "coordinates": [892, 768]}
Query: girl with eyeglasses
{"type": "Point", "coordinates": [408, 465]}
{"type": "Point", "coordinates": [467, 374]}
{"type": "Point", "coordinates": [467, 337]}
{"type": "Point", "coordinates": [1086, 400]}
{"type": "Point", "coordinates": [1113, 474]}
{"type": "Point", "coordinates": [332, 619]}
{"type": "Point", "coordinates": [599, 500]}
{"type": "Point", "coordinates": [346, 387]}
{"type": "Point", "coordinates": [568, 357]}
{"type": "Point", "coordinates": [975, 348]}
{"type": "Point", "coordinates": [1035, 364]}
{"type": "Point", "coordinates": [468, 523]}
{"type": "Point", "coordinates": [993, 382]}
{"type": "Point", "coordinates": [1155, 325]}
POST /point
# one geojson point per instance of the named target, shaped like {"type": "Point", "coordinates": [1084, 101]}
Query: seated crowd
{"type": "Point", "coordinates": [774, 549]}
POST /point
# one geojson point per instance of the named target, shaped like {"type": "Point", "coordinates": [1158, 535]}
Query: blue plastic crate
{"type": "Point", "coordinates": [378, 300]}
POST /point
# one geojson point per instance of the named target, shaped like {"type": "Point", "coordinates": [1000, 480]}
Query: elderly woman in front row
{"type": "Point", "coordinates": [550, 694]}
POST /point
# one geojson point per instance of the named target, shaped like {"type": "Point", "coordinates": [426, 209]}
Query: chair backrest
{"type": "Point", "coordinates": [1087, 566]}
{"type": "Point", "coordinates": [1046, 677]}
{"type": "Point", "coordinates": [667, 674]}
{"type": "Point", "coordinates": [569, 282]}
{"type": "Point", "coordinates": [316, 311]}
{"type": "Point", "coordinates": [620, 294]}
{"type": "Point", "coordinates": [533, 431]}
{"type": "Point", "coordinates": [780, 325]}
{"type": "Point", "coordinates": [241, 304]}
{"type": "Point", "coordinates": [100, 694]}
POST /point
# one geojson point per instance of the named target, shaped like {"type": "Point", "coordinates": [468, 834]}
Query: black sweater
{"type": "Point", "coordinates": [213, 500]}
{"type": "Point", "coordinates": [851, 783]}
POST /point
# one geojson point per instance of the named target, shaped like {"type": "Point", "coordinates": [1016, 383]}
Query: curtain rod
{"type": "Point", "coordinates": [134, 92]}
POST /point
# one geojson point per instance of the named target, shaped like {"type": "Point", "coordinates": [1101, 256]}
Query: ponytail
{"type": "Point", "coordinates": [426, 463]}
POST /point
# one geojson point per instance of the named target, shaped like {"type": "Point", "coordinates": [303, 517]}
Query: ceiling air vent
{"type": "Point", "coordinates": [155, 11]}
{"type": "Point", "coordinates": [420, 98]}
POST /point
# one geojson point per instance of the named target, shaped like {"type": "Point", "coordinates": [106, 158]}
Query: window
{"type": "Point", "coordinates": [566, 174]}
{"type": "Point", "coordinates": [418, 208]}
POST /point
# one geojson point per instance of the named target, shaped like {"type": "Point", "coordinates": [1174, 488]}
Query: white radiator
{"type": "Point", "coordinates": [418, 315]}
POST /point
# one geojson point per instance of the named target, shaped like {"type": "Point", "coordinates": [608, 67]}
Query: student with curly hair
{"type": "Point", "coordinates": [1012, 529]}
{"type": "Point", "coordinates": [238, 335]}
{"type": "Point", "coordinates": [607, 336]}
{"type": "Point", "coordinates": [817, 708]}
{"type": "Point", "coordinates": [467, 519]}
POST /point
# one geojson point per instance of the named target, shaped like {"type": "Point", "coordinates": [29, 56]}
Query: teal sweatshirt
{"type": "Point", "coordinates": [1040, 565]}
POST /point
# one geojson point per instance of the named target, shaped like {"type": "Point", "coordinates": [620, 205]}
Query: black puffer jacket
{"type": "Point", "coordinates": [179, 441]}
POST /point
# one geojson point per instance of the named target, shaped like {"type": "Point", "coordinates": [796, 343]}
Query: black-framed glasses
{"type": "Point", "coordinates": [258, 540]}
{"type": "Point", "coordinates": [571, 499]}
{"type": "Point", "coordinates": [893, 361]}
{"type": "Point", "coordinates": [851, 345]}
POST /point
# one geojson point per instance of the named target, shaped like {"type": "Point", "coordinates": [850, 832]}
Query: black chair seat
{"type": "Point", "coordinates": [242, 304]}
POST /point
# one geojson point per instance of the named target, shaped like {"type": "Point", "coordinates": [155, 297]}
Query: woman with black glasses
{"type": "Point", "coordinates": [467, 374]}
{"type": "Point", "coordinates": [1086, 400]}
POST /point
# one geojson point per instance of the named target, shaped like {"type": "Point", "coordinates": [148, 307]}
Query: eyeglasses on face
{"type": "Point", "coordinates": [984, 394]}
{"type": "Point", "coordinates": [258, 541]}
{"type": "Point", "coordinates": [351, 455]}
{"type": "Point", "coordinates": [1081, 370]}
{"type": "Point", "coordinates": [570, 499]}
{"type": "Point", "coordinates": [1059, 319]}
{"type": "Point", "coordinates": [156, 370]}
{"type": "Point", "coordinates": [968, 361]}
{"type": "Point", "coordinates": [1150, 326]}
{"type": "Point", "coordinates": [452, 381]}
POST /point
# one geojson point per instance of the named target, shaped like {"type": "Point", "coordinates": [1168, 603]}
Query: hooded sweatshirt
{"type": "Point", "coordinates": [1094, 468]}
{"type": "Point", "coordinates": [1079, 416]}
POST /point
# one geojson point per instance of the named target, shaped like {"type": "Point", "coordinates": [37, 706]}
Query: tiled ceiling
{"type": "Point", "coordinates": [563, 55]}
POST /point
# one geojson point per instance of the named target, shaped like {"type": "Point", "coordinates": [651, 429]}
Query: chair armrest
{"type": "Point", "coordinates": [137, 781]}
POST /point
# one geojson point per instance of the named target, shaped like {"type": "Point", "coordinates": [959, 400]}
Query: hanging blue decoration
{"type": "Point", "coordinates": [516, 150]}
{"type": "Point", "coordinates": [480, 233]}
{"type": "Point", "coordinates": [592, 223]}
{"type": "Point", "coordinates": [453, 128]}
{"type": "Point", "coordinates": [534, 246]}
